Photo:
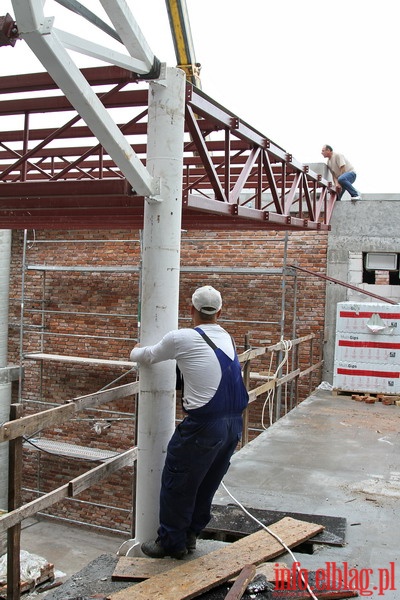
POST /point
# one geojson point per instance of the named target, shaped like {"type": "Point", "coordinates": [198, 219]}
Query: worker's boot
{"type": "Point", "coordinates": [191, 538]}
{"type": "Point", "coordinates": [154, 549]}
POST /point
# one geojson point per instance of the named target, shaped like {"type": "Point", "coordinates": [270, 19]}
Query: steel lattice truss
{"type": "Point", "coordinates": [55, 174]}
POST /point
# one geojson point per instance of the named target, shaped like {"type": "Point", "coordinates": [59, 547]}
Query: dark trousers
{"type": "Point", "coordinates": [198, 456]}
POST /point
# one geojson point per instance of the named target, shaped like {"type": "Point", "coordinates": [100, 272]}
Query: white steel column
{"type": "Point", "coordinates": [5, 387]}
{"type": "Point", "coordinates": [160, 294]}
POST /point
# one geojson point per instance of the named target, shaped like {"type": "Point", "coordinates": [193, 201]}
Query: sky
{"type": "Point", "coordinates": [303, 73]}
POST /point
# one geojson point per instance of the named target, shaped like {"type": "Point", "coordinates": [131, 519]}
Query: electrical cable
{"type": "Point", "coordinates": [33, 241]}
{"type": "Point", "coordinates": [309, 590]}
{"type": "Point", "coordinates": [269, 398]}
{"type": "Point", "coordinates": [287, 346]}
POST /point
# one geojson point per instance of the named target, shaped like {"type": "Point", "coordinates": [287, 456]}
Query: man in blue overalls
{"type": "Point", "coordinates": [199, 452]}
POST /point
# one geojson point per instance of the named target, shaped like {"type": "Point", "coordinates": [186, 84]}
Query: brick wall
{"type": "Point", "coordinates": [94, 314]}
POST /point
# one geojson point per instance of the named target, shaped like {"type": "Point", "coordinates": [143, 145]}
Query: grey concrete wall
{"type": "Point", "coordinates": [369, 225]}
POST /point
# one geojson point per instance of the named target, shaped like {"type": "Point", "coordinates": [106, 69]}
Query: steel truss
{"type": "Point", "coordinates": [60, 176]}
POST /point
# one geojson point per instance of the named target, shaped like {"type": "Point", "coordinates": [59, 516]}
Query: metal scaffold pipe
{"type": "Point", "coordinates": [5, 385]}
{"type": "Point", "coordinates": [160, 294]}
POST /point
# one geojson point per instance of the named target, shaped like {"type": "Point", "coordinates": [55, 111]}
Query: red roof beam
{"type": "Point", "coordinates": [34, 82]}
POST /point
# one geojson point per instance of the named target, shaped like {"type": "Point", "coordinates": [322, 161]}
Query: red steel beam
{"type": "Point", "coordinates": [34, 82]}
{"type": "Point", "coordinates": [217, 172]}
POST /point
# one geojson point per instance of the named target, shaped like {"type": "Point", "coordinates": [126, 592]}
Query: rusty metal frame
{"type": "Point", "coordinates": [60, 176]}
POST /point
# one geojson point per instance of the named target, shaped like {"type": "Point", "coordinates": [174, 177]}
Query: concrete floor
{"type": "Point", "coordinates": [68, 547]}
{"type": "Point", "coordinates": [330, 456]}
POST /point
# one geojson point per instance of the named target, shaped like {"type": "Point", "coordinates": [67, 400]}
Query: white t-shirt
{"type": "Point", "coordinates": [196, 360]}
{"type": "Point", "coordinates": [337, 161]}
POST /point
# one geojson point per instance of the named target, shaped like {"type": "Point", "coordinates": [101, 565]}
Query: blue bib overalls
{"type": "Point", "coordinates": [198, 456]}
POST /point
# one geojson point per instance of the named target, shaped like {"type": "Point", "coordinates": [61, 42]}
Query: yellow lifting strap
{"type": "Point", "coordinates": [183, 42]}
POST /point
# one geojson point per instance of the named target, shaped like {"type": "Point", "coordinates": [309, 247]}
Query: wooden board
{"type": "Point", "coordinates": [79, 359]}
{"type": "Point", "coordinates": [239, 587]}
{"type": "Point", "coordinates": [189, 578]}
{"type": "Point", "coordinates": [131, 568]}
{"type": "Point", "coordinates": [29, 424]}
{"type": "Point", "coordinates": [135, 568]}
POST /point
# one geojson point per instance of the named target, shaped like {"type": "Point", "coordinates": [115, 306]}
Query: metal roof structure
{"type": "Point", "coordinates": [55, 174]}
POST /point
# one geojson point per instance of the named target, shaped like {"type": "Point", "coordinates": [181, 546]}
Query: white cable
{"type": "Point", "coordinates": [34, 239]}
{"type": "Point", "coordinates": [287, 346]}
{"type": "Point", "coordinates": [269, 398]}
{"type": "Point", "coordinates": [309, 590]}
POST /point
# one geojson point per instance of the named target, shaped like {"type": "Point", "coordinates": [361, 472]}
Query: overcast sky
{"type": "Point", "coordinates": [304, 73]}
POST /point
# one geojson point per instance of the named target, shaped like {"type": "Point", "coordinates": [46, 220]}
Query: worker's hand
{"type": "Point", "coordinates": [137, 346]}
{"type": "Point", "coordinates": [338, 187]}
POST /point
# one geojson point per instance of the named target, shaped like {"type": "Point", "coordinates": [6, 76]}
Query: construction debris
{"type": "Point", "coordinates": [34, 570]}
{"type": "Point", "coordinates": [369, 397]}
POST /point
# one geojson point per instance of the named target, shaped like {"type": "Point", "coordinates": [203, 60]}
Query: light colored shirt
{"type": "Point", "coordinates": [196, 360]}
{"type": "Point", "coordinates": [336, 162]}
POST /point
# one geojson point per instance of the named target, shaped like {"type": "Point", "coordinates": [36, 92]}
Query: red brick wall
{"type": "Point", "coordinates": [95, 315]}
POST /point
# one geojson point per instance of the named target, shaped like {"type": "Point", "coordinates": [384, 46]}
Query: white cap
{"type": "Point", "coordinates": [207, 300]}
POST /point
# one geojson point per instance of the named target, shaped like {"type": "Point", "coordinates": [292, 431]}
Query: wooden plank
{"type": "Point", "coordinates": [251, 353]}
{"type": "Point", "coordinates": [295, 342]}
{"type": "Point", "coordinates": [79, 360]}
{"type": "Point", "coordinates": [312, 368]}
{"type": "Point", "coordinates": [81, 483]}
{"type": "Point", "coordinates": [28, 425]}
{"type": "Point", "coordinates": [14, 502]}
{"type": "Point", "coordinates": [239, 587]}
{"type": "Point", "coordinates": [31, 508]}
{"type": "Point", "coordinates": [254, 352]}
{"type": "Point", "coordinates": [269, 385]}
{"type": "Point", "coordinates": [75, 486]}
{"type": "Point", "coordinates": [131, 568]}
{"type": "Point", "coordinates": [25, 426]}
{"type": "Point", "coordinates": [288, 377]}
{"type": "Point", "coordinates": [190, 578]}
{"type": "Point", "coordinates": [91, 400]}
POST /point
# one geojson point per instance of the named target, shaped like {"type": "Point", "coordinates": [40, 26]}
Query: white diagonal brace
{"type": "Point", "coordinates": [78, 44]}
{"type": "Point", "coordinates": [51, 53]}
{"type": "Point", "coordinates": [128, 30]}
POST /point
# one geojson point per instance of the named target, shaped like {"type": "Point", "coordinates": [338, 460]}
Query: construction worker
{"type": "Point", "coordinates": [199, 452]}
{"type": "Point", "coordinates": [342, 171]}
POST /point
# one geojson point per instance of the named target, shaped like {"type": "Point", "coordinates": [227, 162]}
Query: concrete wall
{"type": "Point", "coordinates": [369, 225]}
